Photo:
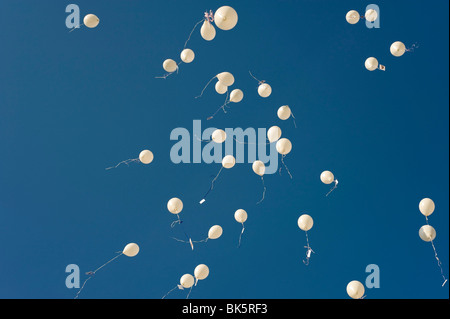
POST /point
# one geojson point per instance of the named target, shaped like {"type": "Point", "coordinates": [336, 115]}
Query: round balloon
{"type": "Point", "coordinates": [187, 55]}
{"type": "Point", "coordinates": [355, 289]}
{"type": "Point", "coordinates": [220, 88]}
{"type": "Point", "coordinates": [219, 136]}
{"type": "Point", "coordinates": [259, 168]}
{"type": "Point", "coordinates": [327, 177]}
{"type": "Point", "coordinates": [187, 281]}
{"type": "Point", "coordinates": [371, 15]}
{"type": "Point", "coordinates": [170, 65]}
{"type": "Point", "coordinates": [175, 206]}
{"type": "Point", "coordinates": [284, 112]}
{"type": "Point", "coordinates": [371, 64]}
{"type": "Point", "coordinates": [241, 216]}
{"type": "Point", "coordinates": [352, 17]}
{"type": "Point", "coordinates": [215, 232]}
{"type": "Point", "coordinates": [427, 233]}
{"type": "Point", "coordinates": [236, 96]}
{"type": "Point", "coordinates": [91, 20]}
{"type": "Point", "coordinates": [274, 134]}
{"type": "Point", "coordinates": [305, 222]}
{"type": "Point", "coordinates": [226, 78]}
{"type": "Point", "coordinates": [131, 250]}
{"type": "Point", "coordinates": [225, 18]}
{"type": "Point", "coordinates": [201, 272]}
{"type": "Point", "coordinates": [426, 206]}
{"type": "Point", "coordinates": [228, 161]}
{"type": "Point", "coordinates": [398, 49]}
{"type": "Point", "coordinates": [264, 90]}
{"type": "Point", "coordinates": [208, 32]}
{"type": "Point", "coordinates": [284, 146]}
{"type": "Point", "coordinates": [146, 157]}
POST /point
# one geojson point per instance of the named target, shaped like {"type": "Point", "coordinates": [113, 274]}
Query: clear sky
{"type": "Point", "coordinates": [74, 103]}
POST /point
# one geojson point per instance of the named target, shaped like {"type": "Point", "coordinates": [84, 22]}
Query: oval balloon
{"type": "Point", "coordinates": [201, 272]}
{"type": "Point", "coordinates": [226, 78]}
{"type": "Point", "coordinates": [91, 21]}
{"type": "Point", "coordinates": [305, 222]}
{"type": "Point", "coordinates": [371, 15]}
{"type": "Point", "coordinates": [131, 250]}
{"type": "Point", "coordinates": [170, 65]}
{"type": "Point", "coordinates": [284, 146]}
{"type": "Point", "coordinates": [427, 233]}
{"type": "Point", "coordinates": [398, 49]}
{"type": "Point", "coordinates": [146, 157]}
{"type": "Point", "coordinates": [352, 17]}
{"type": "Point", "coordinates": [187, 281]}
{"type": "Point", "coordinates": [215, 232]}
{"type": "Point", "coordinates": [371, 64]}
{"type": "Point", "coordinates": [426, 206]}
{"type": "Point", "coordinates": [236, 96]}
{"type": "Point", "coordinates": [187, 55]}
{"type": "Point", "coordinates": [208, 32]}
{"type": "Point", "coordinates": [284, 112]}
{"type": "Point", "coordinates": [219, 136]}
{"type": "Point", "coordinates": [327, 177]}
{"type": "Point", "coordinates": [220, 88]}
{"type": "Point", "coordinates": [259, 168]}
{"type": "Point", "coordinates": [355, 289]}
{"type": "Point", "coordinates": [264, 90]}
{"type": "Point", "coordinates": [240, 216]}
{"type": "Point", "coordinates": [228, 161]}
{"type": "Point", "coordinates": [274, 134]}
{"type": "Point", "coordinates": [175, 206]}
{"type": "Point", "coordinates": [225, 18]}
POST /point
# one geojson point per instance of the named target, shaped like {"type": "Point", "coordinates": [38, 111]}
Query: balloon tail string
{"type": "Point", "coordinates": [240, 236]}
{"type": "Point", "coordinates": [190, 35]}
{"type": "Point", "coordinates": [178, 221]}
{"type": "Point", "coordinates": [201, 94]}
{"type": "Point", "coordinates": [259, 81]}
{"type": "Point", "coordinates": [412, 48]}
{"type": "Point", "coordinates": [439, 263]}
{"type": "Point", "coordinates": [170, 291]}
{"type": "Point", "coordinates": [293, 119]}
{"type": "Point", "coordinates": [212, 185]}
{"type": "Point", "coordinates": [284, 164]}
{"type": "Point", "coordinates": [77, 27]}
{"type": "Point", "coordinates": [199, 139]}
{"type": "Point", "coordinates": [308, 251]}
{"type": "Point", "coordinates": [126, 162]}
{"type": "Point", "coordinates": [334, 187]}
{"type": "Point", "coordinates": [264, 191]}
{"type": "Point", "coordinates": [82, 287]}
{"type": "Point", "coordinates": [220, 108]}
{"type": "Point", "coordinates": [187, 297]}
{"type": "Point", "coordinates": [165, 76]}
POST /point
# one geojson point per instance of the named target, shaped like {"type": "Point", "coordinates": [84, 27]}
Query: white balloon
{"type": "Point", "coordinates": [355, 289]}
{"type": "Point", "coordinates": [284, 146]}
{"type": "Point", "coordinates": [187, 281]}
{"type": "Point", "coordinates": [284, 112]}
{"type": "Point", "coordinates": [187, 55]}
{"type": "Point", "coordinates": [226, 78]}
{"type": "Point", "coordinates": [371, 15]}
{"type": "Point", "coordinates": [220, 88]}
{"type": "Point", "coordinates": [352, 17]}
{"type": "Point", "coordinates": [398, 49]}
{"type": "Point", "coordinates": [327, 177]}
{"type": "Point", "coordinates": [170, 65]}
{"type": "Point", "coordinates": [305, 222]}
{"type": "Point", "coordinates": [228, 161]}
{"type": "Point", "coordinates": [215, 232]}
{"type": "Point", "coordinates": [175, 206]}
{"type": "Point", "coordinates": [219, 136]}
{"type": "Point", "coordinates": [208, 32]}
{"type": "Point", "coordinates": [426, 206]}
{"type": "Point", "coordinates": [131, 250]}
{"type": "Point", "coordinates": [371, 64]}
{"type": "Point", "coordinates": [264, 90]}
{"type": "Point", "coordinates": [427, 233]}
{"type": "Point", "coordinates": [274, 134]}
{"type": "Point", "coordinates": [201, 272]}
{"type": "Point", "coordinates": [259, 168]}
{"type": "Point", "coordinates": [236, 96]}
{"type": "Point", "coordinates": [91, 20]}
{"type": "Point", "coordinates": [225, 18]}
{"type": "Point", "coordinates": [146, 157]}
{"type": "Point", "coordinates": [240, 215]}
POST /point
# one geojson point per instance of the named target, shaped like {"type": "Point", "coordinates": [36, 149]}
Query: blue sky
{"type": "Point", "coordinates": [72, 104]}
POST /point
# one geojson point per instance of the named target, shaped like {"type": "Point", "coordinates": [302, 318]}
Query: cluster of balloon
{"type": "Point", "coordinates": [427, 232]}
{"type": "Point", "coordinates": [241, 217]}
{"type": "Point", "coordinates": [264, 89]}
{"type": "Point", "coordinates": [284, 113]}
{"type": "Point", "coordinates": [175, 206]}
{"type": "Point", "coordinates": [90, 20]}
{"type": "Point", "coordinates": [284, 147]}
{"type": "Point", "coordinates": [227, 162]}
{"type": "Point", "coordinates": [355, 290]}
{"type": "Point", "coordinates": [170, 66]}
{"type": "Point", "coordinates": [214, 233]}
{"type": "Point", "coordinates": [327, 178]}
{"type": "Point", "coordinates": [259, 168]}
{"type": "Point", "coordinates": [305, 223]}
{"type": "Point", "coordinates": [353, 16]}
{"type": "Point", "coordinates": [130, 250]}
{"type": "Point", "coordinates": [188, 281]}
{"type": "Point", "coordinates": [145, 157]}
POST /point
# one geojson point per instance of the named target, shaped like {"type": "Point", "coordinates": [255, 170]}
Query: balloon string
{"type": "Point", "coordinates": [335, 186]}
{"type": "Point", "coordinates": [188, 242]}
{"type": "Point", "coordinates": [264, 191]}
{"type": "Point", "coordinates": [92, 273]}
{"type": "Point", "coordinates": [259, 81]}
{"type": "Point", "coordinates": [187, 297]}
{"type": "Point", "coordinates": [221, 108]}
{"type": "Point", "coordinates": [209, 16]}
{"type": "Point", "coordinates": [165, 76]}
{"type": "Point", "coordinates": [240, 236]}
{"type": "Point", "coordinates": [412, 48]}
{"type": "Point", "coordinates": [308, 250]}
{"type": "Point", "coordinates": [212, 186]}
{"type": "Point", "coordinates": [127, 162]}
{"type": "Point", "coordinates": [198, 138]}
{"type": "Point", "coordinates": [205, 87]}
{"type": "Point", "coordinates": [293, 119]}
{"type": "Point", "coordinates": [439, 263]}
{"type": "Point", "coordinates": [190, 35]}
{"type": "Point", "coordinates": [177, 286]}
{"type": "Point", "coordinates": [240, 142]}
{"type": "Point", "coordinates": [287, 169]}
{"type": "Point", "coordinates": [178, 221]}
{"type": "Point", "coordinates": [77, 27]}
